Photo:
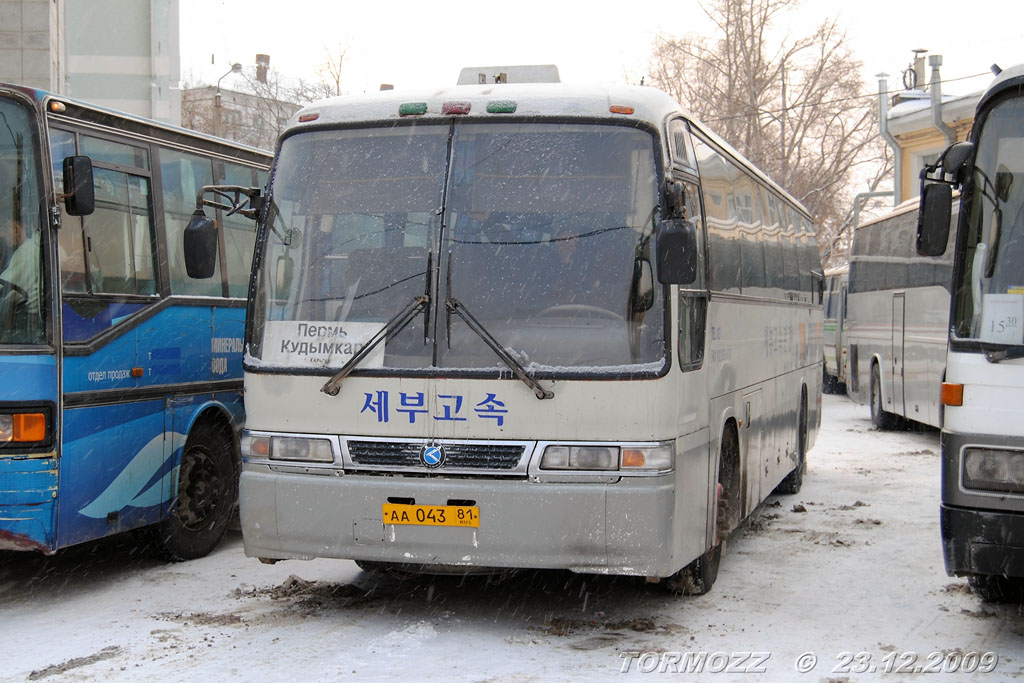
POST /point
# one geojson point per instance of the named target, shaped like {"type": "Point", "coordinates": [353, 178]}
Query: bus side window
{"type": "Point", "coordinates": [720, 211]}
{"type": "Point", "coordinates": [119, 244]}
{"type": "Point", "coordinates": [692, 317]}
{"type": "Point", "coordinates": [182, 175]}
{"type": "Point", "coordinates": [239, 235]}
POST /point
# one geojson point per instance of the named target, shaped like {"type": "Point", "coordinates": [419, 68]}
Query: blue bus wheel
{"type": "Point", "coordinates": [206, 495]}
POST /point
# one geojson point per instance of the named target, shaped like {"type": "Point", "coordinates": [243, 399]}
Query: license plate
{"type": "Point", "coordinates": [432, 515]}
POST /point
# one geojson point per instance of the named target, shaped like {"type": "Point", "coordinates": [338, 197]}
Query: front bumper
{"type": "Point", "coordinates": [626, 527]}
{"type": "Point", "coordinates": [982, 542]}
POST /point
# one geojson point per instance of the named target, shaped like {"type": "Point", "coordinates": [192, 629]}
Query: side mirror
{"type": "Point", "coordinates": [933, 219]}
{"type": "Point", "coordinates": [677, 252]}
{"type": "Point", "coordinates": [79, 191]}
{"type": "Point", "coordinates": [956, 158]}
{"type": "Point", "coordinates": [200, 242]}
{"type": "Point", "coordinates": [283, 273]}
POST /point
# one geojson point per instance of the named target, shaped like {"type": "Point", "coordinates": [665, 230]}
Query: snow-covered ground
{"type": "Point", "coordinates": [852, 564]}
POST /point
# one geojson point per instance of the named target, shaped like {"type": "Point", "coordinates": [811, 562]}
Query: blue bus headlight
{"type": "Point", "coordinates": [994, 470]}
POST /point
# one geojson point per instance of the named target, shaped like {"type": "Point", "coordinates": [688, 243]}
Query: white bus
{"type": "Point", "coordinates": [834, 337]}
{"type": "Point", "coordinates": [533, 326]}
{"type": "Point", "coordinates": [896, 321]}
{"type": "Point", "coordinates": [983, 394]}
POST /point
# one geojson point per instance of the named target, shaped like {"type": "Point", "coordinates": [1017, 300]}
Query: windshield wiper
{"type": "Point", "coordinates": [390, 329]}
{"type": "Point", "coordinates": [454, 306]}
{"type": "Point", "coordinates": [1004, 354]}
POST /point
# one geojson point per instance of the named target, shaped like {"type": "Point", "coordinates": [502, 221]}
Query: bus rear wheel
{"type": "Point", "coordinates": [794, 481]}
{"type": "Point", "coordinates": [880, 418]}
{"type": "Point", "coordinates": [205, 498]}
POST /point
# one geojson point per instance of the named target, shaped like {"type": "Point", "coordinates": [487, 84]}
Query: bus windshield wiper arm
{"type": "Point", "coordinates": [390, 329]}
{"type": "Point", "coordinates": [1004, 354]}
{"type": "Point", "coordinates": [454, 306]}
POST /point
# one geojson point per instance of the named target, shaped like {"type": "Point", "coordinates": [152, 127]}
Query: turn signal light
{"type": "Point", "coordinates": [23, 428]}
{"type": "Point", "coordinates": [952, 394]}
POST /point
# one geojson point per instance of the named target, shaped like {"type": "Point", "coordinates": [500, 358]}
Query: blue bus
{"type": "Point", "coordinates": [120, 375]}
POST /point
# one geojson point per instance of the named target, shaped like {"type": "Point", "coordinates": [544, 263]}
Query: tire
{"type": "Point", "coordinates": [881, 419]}
{"type": "Point", "coordinates": [207, 490]}
{"type": "Point", "coordinates": [795, 479]}
{"type": "Point", "coordinates": [829, 383]}
{"type": "Point", "coordinates": [998, 588]}
{"type": "Point", "coordinates": [699, 576]}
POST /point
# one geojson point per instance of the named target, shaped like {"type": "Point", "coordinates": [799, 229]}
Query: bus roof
{"type": "Point", "coordinates": [540, 100]}
{"type": "Point", "coordinates": [1012, 77]}
{"type": "Point", "coordinates": [43, 97]}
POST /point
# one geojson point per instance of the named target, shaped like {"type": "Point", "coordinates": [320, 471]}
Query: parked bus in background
{"type": "Point", "coordinates": [121, 394]}
{"type": "Point", "coordinates": [834, 336]}
{"type": "Point", "coordinates": [523, 325]}
{"type": "Point", "coordinates": [896, 321]}
{"type": "Point", "coordinates": [983, 393]}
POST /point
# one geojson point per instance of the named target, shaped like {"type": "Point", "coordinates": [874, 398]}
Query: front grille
{"type": "Point", "coordinates": [480, 456]}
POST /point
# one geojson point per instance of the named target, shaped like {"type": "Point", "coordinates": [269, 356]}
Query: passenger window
{"type": "Point", "coordinates": [119, 235]}
{"type": "Point", "coordinates": [182, 175]}
{"type": "Point", "coordinates": [116, 153]}
{"type": "Point", "coordinates": [239, 235]}
{"type": "Point", "coordinates": [720, 214]}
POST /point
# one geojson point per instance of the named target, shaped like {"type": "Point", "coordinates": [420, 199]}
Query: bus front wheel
{"type": "Point", "coordinates": [880, 418]}
{"type": "Point", "coordinates": [699, 576]}
{"type": "Point", "coordinates": [206, 495]}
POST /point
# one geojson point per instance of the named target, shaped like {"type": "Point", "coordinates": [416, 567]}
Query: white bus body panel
{"type": "Point", "coordinates": [993, 395]}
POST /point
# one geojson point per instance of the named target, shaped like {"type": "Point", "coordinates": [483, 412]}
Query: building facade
{"type": "Point", "coordinates": [121, 54]}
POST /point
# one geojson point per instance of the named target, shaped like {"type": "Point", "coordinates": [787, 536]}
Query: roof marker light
{"type": "Point", "coordinates": [455, 108]}
{"type": "Point", "coordinates": [412, 109]}
{"type": "Point", "coordinates": [620, 109]}
{"type": "Point", "coordinates": [501, 107]}
{"type": "Point", "coordinates": [58, 107]}
{"type": "Point", "coordinates": [306, 118]}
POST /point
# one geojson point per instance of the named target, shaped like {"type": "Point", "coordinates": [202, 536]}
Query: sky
{"type": "Point", "coordinates": [425, 44]}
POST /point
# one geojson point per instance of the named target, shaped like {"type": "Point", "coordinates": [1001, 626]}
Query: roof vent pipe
{"type": "Point", "coordinates": [883, 128]}
{"type": "Point", "coordinates": [935, 61]}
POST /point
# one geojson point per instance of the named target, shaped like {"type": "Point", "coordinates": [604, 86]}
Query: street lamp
{"type": "Point", "coordinates": [218, 125]}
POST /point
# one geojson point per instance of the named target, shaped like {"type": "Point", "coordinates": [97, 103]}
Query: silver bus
{"type": "Point", "coordinates": [523, 326]}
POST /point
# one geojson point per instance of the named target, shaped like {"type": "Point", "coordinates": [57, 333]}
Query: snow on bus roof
{"type": "Point", "coordinates": [530, 99]}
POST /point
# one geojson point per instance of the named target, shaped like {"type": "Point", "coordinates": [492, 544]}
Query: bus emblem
{"type": "Point", "coordinates": [433, 456]}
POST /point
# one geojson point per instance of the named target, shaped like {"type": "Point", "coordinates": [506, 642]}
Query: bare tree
{"type": "Point", "coordinates": [795, 108]}
{"type": "Point", "coordinates": [254, 111]}
{"type": "Point", "coordinates": [330, 71]}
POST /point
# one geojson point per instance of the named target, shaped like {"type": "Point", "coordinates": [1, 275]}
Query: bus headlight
{"type": "Point", "coordinates": [627, 458]}
{"type": "Point", "coordinates": [298, 448]}
{"type": "Point", "coordinates": [580, 458]}
{"type": "Point", "coordinates": [994, 470]}
{"type": "Point", "coordinates": [286, 448]}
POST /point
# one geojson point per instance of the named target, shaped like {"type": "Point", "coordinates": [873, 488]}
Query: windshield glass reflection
{"type": "Point", "coordinates": [544, 238]}
{"type": "Point", "coordinates": [21, 251]}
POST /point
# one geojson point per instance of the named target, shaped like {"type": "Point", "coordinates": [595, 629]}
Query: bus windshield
{"type": "Point", "coordinates": [21, 253]}
{"type": "Point", "coordinates": [541, 232]}
{"type": "Point", "coordinates": [990, 294]}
